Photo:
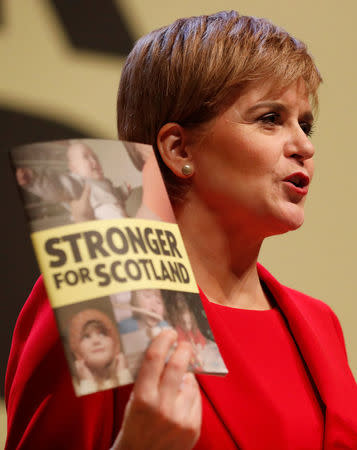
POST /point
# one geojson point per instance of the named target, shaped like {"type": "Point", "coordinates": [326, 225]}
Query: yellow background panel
{"type": "Point", "coordinates": [98, 258]}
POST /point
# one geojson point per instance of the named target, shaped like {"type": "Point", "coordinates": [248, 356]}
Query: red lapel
{"type": "Point", "coordinates": [316, 333]}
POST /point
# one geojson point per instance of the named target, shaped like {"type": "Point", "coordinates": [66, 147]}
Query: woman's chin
{"type": "Point", "coordinates": [296, 216]}
{"type": "Point", "coordinates": [292, 221]}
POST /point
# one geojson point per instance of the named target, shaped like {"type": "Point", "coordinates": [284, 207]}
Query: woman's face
{"type": "Point", "coordinates": [253, 166]}
{"type": "Point", "coordinates": [96, 347]}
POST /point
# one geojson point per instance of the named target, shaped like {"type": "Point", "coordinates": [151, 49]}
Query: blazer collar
{"type": "Point", "coordinates": [325, 361]}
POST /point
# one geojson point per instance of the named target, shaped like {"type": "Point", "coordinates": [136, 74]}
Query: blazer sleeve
{"type": "Point", "coordinates": [42, 409]}
{"type": "Point", "coordinates": [339, 331]}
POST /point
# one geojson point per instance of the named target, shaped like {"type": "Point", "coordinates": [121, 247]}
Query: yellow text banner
{"type": "Point", "coordinates": [98, 258]}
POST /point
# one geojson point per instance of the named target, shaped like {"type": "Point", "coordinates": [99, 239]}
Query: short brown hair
{"type": "Point", "coordinates": [191, 70]}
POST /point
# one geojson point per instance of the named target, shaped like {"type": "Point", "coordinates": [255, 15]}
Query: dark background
{"type": "Point", "coordinates": [108, 34]}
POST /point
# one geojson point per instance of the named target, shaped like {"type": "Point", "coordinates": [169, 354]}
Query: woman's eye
{"type": "Point", "coordinates": [307, 128]}
{"type": "Point", "coordinates": [270, 119]}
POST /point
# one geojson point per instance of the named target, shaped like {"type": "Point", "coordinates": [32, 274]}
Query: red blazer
{"type": "Point", "coordinates": [44, 413]}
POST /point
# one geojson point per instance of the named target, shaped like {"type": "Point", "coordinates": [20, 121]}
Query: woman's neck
{"type": "Point", "coordinates": [224, 261]}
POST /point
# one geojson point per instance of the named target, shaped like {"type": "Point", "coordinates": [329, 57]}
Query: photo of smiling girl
{"type": "Point", "coordinates": [95, 345]}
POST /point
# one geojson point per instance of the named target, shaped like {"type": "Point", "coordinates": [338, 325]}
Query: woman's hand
{"type": "Point", "coordinates": [164, 410]}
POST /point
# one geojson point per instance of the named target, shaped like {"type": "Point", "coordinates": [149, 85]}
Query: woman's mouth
{"type": "Point", "coordinates": [298, 182]}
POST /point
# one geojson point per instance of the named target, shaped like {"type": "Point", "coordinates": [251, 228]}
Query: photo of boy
{"type": "Point", "coordinates": [148, 313]}
{"type": "Point", "coordinates": [84, 183]}
{"type": "Point", "coordinates": [98, 361]}
{"type": "Point", "coordinates": [140, 318]}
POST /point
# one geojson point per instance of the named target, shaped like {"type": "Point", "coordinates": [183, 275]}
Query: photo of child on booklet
{"type": "Point", "coordinates": [113, 261]}
{"type": "Point", "coordinates": [95, 345]}
{"type": "Point", "coordinates": [71, 174]}
{"type": "Point", "coordinates": [142, 314]}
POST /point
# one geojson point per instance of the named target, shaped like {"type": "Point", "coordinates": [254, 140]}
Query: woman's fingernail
{"type": "Point", "coordinates": [186, 379]}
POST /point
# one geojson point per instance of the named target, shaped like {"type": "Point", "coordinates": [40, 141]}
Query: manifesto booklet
{"type": "Point", "coordinates": [112, 257]}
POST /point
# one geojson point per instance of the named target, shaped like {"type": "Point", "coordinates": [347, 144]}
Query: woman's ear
{"type": "Point", "coordinates": [172, 145]}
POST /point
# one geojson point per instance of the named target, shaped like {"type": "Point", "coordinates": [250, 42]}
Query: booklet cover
{"type": "Point", "coordinates": [112, 257]}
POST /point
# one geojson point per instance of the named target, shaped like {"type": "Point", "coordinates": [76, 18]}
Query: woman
{"type": "Point", "coordinates": [227, 103]}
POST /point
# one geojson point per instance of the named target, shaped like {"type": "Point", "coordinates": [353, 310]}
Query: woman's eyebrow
{"type": "Point", "coordinates": [268, 105]}
{"type": "Point", "coordinates": [280, 107]}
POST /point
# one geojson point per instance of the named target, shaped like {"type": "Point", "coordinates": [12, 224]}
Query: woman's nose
{"type": "Point", "coordinates": [299, 146]}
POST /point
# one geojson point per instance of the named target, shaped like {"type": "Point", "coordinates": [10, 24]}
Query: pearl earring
{"type": "Point", "coordinates": [187, 170]}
